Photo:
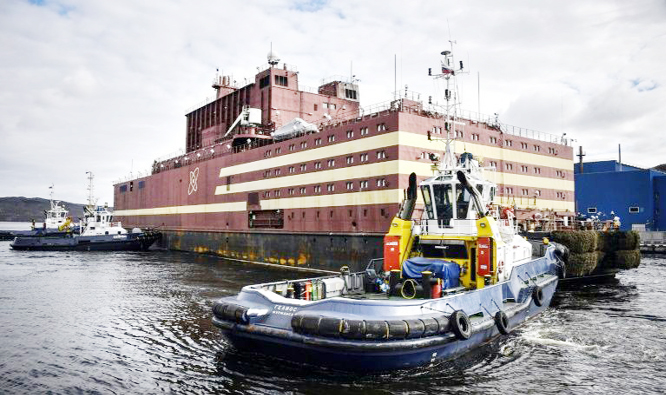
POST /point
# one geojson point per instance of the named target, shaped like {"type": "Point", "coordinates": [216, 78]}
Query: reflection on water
{"type": "Point", "coordinates": [137, 322]}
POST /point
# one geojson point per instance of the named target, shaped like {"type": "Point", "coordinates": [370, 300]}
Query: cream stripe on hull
{"type": "Point", "coordinates": [405, 139]}
{"type": "Point", "coordinates": [383, 169]}
{"type": "Point", "coordinates": [390, 196]}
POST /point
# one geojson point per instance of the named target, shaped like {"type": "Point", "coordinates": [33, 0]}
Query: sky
{"type": "Point", "coordinates": [104, 86]}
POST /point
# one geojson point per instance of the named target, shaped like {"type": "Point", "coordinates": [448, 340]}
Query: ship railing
{"type": "Point", "coordinates": [491, 122]}
{"type": "Point", "coordinates": [206, 101]}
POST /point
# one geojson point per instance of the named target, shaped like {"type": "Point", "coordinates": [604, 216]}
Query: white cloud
{"type": "Point", "coordinates": [103, 86]}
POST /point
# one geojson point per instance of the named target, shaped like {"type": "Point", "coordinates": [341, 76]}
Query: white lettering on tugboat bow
{"type": "Point", "coordinates": [284, 310]}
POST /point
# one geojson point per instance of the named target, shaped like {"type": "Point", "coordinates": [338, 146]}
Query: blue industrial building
{"type": "Point", "coordinates": [637, 196]}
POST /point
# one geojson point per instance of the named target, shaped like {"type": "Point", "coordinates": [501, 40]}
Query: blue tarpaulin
{"type": "Point", "coordinates": [448, 271]}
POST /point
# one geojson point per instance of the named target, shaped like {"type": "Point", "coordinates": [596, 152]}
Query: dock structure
{"type": "Point", "coordinates": [653, 242]}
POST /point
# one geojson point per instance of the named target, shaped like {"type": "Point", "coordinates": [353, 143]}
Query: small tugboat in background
{"type": "Point", "coordinates": [96, 232]}
{"type": "Point", "coordinates": [57, 222]}
{"type": "Point", "coordinates": [448, 282]}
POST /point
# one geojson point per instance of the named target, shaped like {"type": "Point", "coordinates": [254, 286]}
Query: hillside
{"type": "Point", "coordinates": [22, 209]}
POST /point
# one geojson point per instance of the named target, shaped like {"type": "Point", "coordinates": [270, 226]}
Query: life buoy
{"type": "Point", "coordinates": [502, 322]}
{"type": "Point", "coordinates": [507, 213]}
{"type": "Point", "coordinates": [537, 296]}
{"type": "Point", "coordinates": [460, 325]}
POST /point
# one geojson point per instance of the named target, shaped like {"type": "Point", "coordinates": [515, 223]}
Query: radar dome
{"type": "Point", "coordinates": [273, 58]}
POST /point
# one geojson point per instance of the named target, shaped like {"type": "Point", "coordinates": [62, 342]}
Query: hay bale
{"type": "Point", "coordinates": [618, 241]}
{"type": "Point", "coordinates": [602, 241]}
{"type": "Point", "coordinates": [628, 240]}
{"type": "Point", "coordinates": [578, 241]}
{"type": "Point", "coordinates": [627, 259]}
{"type": "Point", "coordinates": [600, 257]}
{"type": "Point", "coordinates": [581, 264]}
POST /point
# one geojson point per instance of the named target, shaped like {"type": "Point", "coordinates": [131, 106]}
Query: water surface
{"type": "Point", "coordinates": [140, 322]}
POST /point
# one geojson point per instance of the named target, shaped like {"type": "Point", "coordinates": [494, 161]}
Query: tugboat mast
{"type": "Point", "coordinates": [91, 198]}
{"type": "Point", "coordinates": [449, 70]}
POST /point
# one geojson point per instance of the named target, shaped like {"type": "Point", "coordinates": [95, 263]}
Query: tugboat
{"type": "Point", "coordinates": [57, 222]}
{"type": "Point", "coordinates": [448, 282]}
{"type": "Point", "coordinates": [57, 217]}
{"type": "Point", "coordinates": [96, 232]}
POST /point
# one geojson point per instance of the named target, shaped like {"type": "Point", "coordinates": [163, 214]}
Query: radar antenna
{"type": "Point", "coordinates": [273, 58]}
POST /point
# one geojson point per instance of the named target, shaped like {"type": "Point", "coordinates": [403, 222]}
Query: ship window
{"type": "Point", "coordinates": [443, 202]}
{"type": "Point", "coordinates": [462, 202]}
{"type": "Point", "coordinates": [142, 184]}
{"type": "Point", "coordinates": [131, 185]}
{"type": "Point", "coordinates": [350, 94]}
{"type": "Point", "coordinates": [425, 190]}
{"type": "Point", "coordinates": [264, 81]}
{"type": "Point", "coordinates": [450, 251]}
{"type": "Point", "coordinates": [591, 210]}
{"type": "Point", "coordinates": [123, 188]}
{"type": "Point", "coordinates": [281, 80]}
{"type": "Point", "coordinates": [634, 210]}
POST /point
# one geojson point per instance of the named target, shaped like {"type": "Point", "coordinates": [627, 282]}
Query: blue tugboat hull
{"type": "Point", "coordinates": [127, 242]}
{"type": "Point", "coordinates": [267, 333]}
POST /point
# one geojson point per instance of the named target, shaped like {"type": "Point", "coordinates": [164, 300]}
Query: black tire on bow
{"type": "Point", "coordinates": [502, 322]}
{"type": "Point", "coordinates": [460, 325]}
{"type": "Point", "coordinates": [537, 296]}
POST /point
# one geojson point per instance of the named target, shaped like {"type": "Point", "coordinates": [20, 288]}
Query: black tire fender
{"type": "Point", "coordinates": [502, 322]}
{"type": "Point", "coordinates": [537, 296]}
{"type": "Point", "coordinates": [352, 329]}
{"type": "Point", "coordinates": [397, 329]}
{"type": "Point", "coordinates": [460, 325]}
{"type": "Point", "coordinates": [376, 330]}
{"type": "Point", "coordinates": [330, 327]}
{"type": "Point", "coordinates": [417, 328]}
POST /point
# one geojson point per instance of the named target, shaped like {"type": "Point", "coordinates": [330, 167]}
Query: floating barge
{"type": "Point", "coordinates": [257, 182]}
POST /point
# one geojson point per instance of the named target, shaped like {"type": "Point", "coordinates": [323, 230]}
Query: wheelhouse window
{"type": "Point", "coordinates": [281, 80]}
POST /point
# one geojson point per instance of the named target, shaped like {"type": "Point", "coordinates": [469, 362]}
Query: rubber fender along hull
{"type": "Point", "coordinates": [374, 355]}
